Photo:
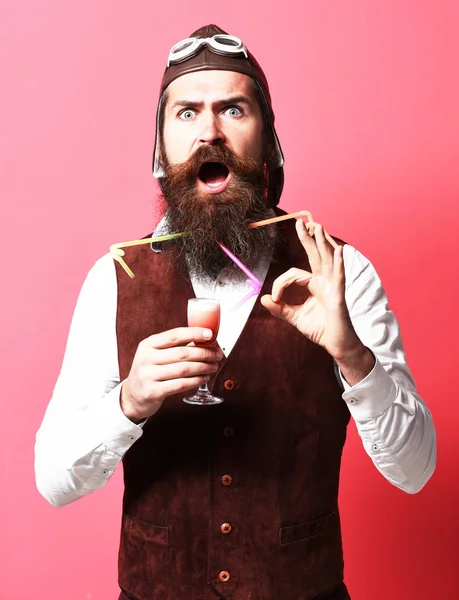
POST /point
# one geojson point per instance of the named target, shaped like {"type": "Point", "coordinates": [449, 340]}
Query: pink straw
{"type": "Point", "coordinates": [238, 263]}
{"type": "Point", "coordinates": [253, 280]}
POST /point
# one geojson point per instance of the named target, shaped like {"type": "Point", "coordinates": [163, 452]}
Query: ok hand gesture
{"type": "Point", "coordinates": [323, 317]}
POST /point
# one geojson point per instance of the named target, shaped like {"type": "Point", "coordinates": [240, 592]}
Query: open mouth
{"type": "Point", "coordinates": [214, 176]}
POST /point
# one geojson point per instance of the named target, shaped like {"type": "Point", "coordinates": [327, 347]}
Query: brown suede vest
{"type": "Point", "coordinates": [239, 500]}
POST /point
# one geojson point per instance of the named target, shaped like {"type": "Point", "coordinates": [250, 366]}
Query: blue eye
{"type": "Point", "coordinates": [233, 111]}
{"type": "Point", "coordinates": [187, 114]}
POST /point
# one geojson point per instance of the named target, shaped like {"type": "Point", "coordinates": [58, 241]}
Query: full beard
{"type": "Point", "coordinates": [206, 218]}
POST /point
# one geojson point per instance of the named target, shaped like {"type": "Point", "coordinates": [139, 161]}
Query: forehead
{"type": "Point", "coordinates": [210, 85]}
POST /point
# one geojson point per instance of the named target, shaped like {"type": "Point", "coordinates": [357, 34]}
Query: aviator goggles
{"type": "Point", "coordinates": [219, 44]}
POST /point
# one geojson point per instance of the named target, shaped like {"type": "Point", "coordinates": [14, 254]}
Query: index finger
{"type": "Point", "coordinates": [180, 336]}
{"type": "Point", "coordinates": [310, 246]}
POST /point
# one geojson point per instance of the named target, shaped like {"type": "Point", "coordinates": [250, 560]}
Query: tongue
{"type": "Point", "coordinates": [213, 173]}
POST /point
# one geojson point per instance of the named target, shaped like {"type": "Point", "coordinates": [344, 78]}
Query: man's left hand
{"type": "Point", "coordinates": [323, 317]}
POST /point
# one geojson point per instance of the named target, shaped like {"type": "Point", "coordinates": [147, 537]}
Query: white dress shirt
{"type": "Point", "coordinates": [84, 433]}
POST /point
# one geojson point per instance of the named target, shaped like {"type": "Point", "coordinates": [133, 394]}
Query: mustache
{"type": "Point", "coordinates": [245, 168]}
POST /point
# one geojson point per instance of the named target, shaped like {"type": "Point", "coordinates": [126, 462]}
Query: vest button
{"type": "Point", "coordinates": [229, 385]}
{"type": "Point", "coordinates": [228, 432]}
{"type": "Point", "coordinates": [227, 480]}
{"type": "Point", "coordinates": [226, 528]}
{"type": "Point", "coordinates": [224, 576]}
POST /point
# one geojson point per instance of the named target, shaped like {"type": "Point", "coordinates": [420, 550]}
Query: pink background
{"type": "Point", "coordinates": [367, 112]}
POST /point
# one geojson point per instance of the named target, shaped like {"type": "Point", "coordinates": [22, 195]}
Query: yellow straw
{"type": "Point", "coordinates": [117, 253]}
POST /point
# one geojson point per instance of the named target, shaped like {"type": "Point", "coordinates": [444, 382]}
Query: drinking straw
{"type": "Point", "coordinates": [238, 263]}
{"type": "Point", "coordinates": [302, 213]}
{"type": "Point", "coordinates": [252, 280]}
{"type": "Point", "coordinates": [117, 253]}
{"type": "Point", "coordinates": [310, 225]}
{"type": "Point", "coordinates": [253, 292]}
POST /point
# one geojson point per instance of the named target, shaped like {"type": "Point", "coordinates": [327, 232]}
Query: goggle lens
{"type": "Point", "coordinates": [182, 46]}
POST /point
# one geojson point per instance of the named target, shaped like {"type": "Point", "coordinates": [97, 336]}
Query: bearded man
{"type": "Point", "coordinates": [239, 500]}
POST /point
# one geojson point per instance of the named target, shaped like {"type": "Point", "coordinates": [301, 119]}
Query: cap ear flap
{"type": "Point", "coordinates": [275, 186]}
{"type": "Point", "coordinates": [158, 170]}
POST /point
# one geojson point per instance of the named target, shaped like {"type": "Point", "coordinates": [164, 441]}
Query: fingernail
{"type": "Point", "coordinates": [207, 334]}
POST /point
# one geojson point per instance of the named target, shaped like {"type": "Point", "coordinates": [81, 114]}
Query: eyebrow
{"type": "Point", "coordinates": [225, 102]}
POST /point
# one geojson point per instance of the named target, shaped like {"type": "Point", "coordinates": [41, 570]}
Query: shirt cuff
{"type": "Point", "coordinates": [120, 433]}
{"type": "Point", "coordinates": [372, 396]}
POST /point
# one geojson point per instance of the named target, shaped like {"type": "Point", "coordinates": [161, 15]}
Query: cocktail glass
{"type": "Point", "coordinates": [204, 312]}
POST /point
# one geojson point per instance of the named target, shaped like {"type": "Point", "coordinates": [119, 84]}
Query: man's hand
{"type": "Point", "coordinates": [167, 364]}
{"type": "Point", "coordinates": [324, 317]}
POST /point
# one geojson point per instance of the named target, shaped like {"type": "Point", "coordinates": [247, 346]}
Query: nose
{"type": "Point", "coordinates": [211, 132]}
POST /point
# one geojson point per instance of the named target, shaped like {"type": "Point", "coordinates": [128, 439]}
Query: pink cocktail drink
{"type": "Point", "coordinates": [204, 313]}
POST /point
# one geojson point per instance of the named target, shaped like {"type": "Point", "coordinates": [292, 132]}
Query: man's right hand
{"type": "Point", "coordinates": [165, 364]}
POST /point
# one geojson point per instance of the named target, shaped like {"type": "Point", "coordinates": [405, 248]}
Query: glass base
{"type": "Point", "coordinates": [203, 397]}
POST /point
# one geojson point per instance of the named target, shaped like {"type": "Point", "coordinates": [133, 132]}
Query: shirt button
{"type": "Point", "coordinates": [227, 480]}
{"type": "Point", "coordinates": [226, 528]}
{"type": "Point", "coordinates": [224, 576]}
{"type": "Point", "coordinates": [375, 447]}
{"type": "Point", "coordinates": [228, 432]}
{"type": "Point", "coordinates": [229, 385]}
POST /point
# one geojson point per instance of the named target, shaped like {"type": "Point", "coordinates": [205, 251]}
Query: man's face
{"type": "Point", "coordinates": [212, 108]}
{"type": "Point", "coordinates": [215, 181]}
